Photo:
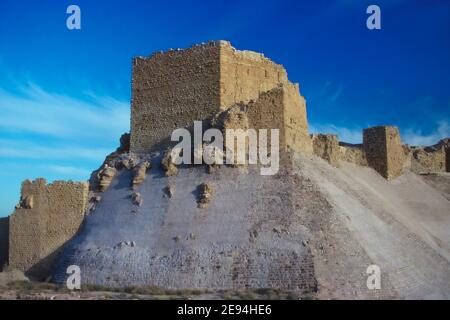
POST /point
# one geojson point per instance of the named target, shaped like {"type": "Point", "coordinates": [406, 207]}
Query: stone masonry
{"type": "Point", "coordinates": [384, 150]}
{"type": "Point", "coordinates": [47, 216]}
{"type": "Point", "coordinates": [173, 89]}
{"type": "Point", "coordinates": [326, 146]}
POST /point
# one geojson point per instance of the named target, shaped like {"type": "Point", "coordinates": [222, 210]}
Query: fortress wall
{"type": "Point", "coordinates": [4, 232]}
{"type": "Point", "coordinates": [267, 112]}
{"type": "Point", "coordinates": [295, 121]}
{"type": "Point", "coordinates": [246, 74]}
{"type": "Point", "coordinates": [46, 217]}
{"type": "Point", "coordinates": [326, 146]}
{"type": "Point", "coordinates": [353, 153]}
{"type": "Point", "coordinates": [384, 150]}
{"type": "Point", "coordinates": [431, 161]}
{"type": "Point", "coordinates": [170, 90]}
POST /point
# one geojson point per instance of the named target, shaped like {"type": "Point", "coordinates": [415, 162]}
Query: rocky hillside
{"type": "Point", "coordinates": [312, 229]}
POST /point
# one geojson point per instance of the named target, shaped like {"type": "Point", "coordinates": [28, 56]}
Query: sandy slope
{"type": "Point", "coordinates": [402, 225]}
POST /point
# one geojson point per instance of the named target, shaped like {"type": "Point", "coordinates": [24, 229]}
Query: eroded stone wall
{"type": "Point", "coordinates": [424, 160]}
{"type": "Point", "coordinates": [353, 153]}
{"type": "Point", "coordinates": [173, 89]}
{"type": "Point", "coordinates": [295, 120]}
{"type": "Point", "coordinates": [170, 90]}
{"type": "Point", "coordinates": [384, 150]}
{"type": "Point", "coordinates": [326, 146]}
{"type": "Point", "coordinates": [4, 232]}
{"type": "Point", "coordinates": [244, 75]}
{"type": "Point", "coordinates": [433, 158]}
{"type": "Point", "coordinates": [47, 216]}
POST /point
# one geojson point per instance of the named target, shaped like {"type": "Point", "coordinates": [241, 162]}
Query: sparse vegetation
{"type": "Point", "coordinates": [47, 290]}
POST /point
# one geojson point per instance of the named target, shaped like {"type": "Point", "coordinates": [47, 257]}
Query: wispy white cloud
{"type": "Point", "coordinates": [331, 91]}
{"type": "Point", "coordinates": [55, 136]}
{"type": "Point", "coordinates": [337, 93]}
{"type": "Point", "coordinates": [29, 150]}
{"type": "Point", "coordinates": [35, 110]}
{"type": "Point", "coordinates": [416, 137]}
{"type": "Point", "coordinates": [350, 135]}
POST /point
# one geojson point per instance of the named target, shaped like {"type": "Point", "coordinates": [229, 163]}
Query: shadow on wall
{"type": "Point", "coordinates": [46, 218]}
{"type": "Point", "coordinates": [4, 242]}
{"type": "Point", "coordinates": [44, 268]}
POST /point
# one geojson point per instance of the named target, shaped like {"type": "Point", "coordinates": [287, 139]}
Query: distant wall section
{"type": "Point", "coordinates": [384, 150]}
{"type": "Point", "coordinates": [47, 216]}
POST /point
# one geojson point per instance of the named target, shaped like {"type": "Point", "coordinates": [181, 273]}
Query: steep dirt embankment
{"type": "Point", "coordinates": [312, 227]}
{"type": "Point", "coordinates": [244, 234]}
{"type": "Point", "coordinates": [402, 226]}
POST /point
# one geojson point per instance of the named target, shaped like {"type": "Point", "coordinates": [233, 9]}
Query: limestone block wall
{"type": "Point", "coordinates": [244, 75]}
{"type": "Point", "coordinates": [326, 146]}
{"type": "Point", "coordinates": [170, 90]}
{"type": "Point", "coordinates": [267, 112]}
{"type": "Point", "coordinates": [173, 89]}
{"type": "Point", "coordinates": [4, 232]}
{"type": "Point", "coordinates": [282, 108]}
{"type": "Point", "coordinates": [47, 216]}
{"type": "Point", "coordinates": [295, 120]}
{"type": "Point", "coordinates": [428, 160]}
{"type": "Point", "coordinates": [384, 150]}
{"type": "Point", "coordinates": [353, 153]}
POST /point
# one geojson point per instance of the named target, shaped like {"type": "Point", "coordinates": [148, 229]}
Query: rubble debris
{"type": "Point", "coordinates": [26, 202]}
{"type": "Point", "coordinates": [105, 177]}
{"type": "Point", "coordinates": [167, 164]}
{"type": "Point", "coordinates": [169, 191]}
{"type": "Point", "coordinates": [136, 198]}
{"type": "Point", "coordinates": [123, 244]}
{"type": "Point", "coordinates": [140, 173]}
{"type": "Point", "coordinates": [205, 192]}
{"type": "Point", "coordinates": [124, 164]}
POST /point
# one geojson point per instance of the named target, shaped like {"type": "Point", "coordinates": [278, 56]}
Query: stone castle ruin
{"type": "Point", "coordinates": [224, 88]}
{"type": "Point", "coordinates": [174, 89]}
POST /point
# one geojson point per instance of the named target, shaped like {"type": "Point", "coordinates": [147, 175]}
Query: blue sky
{"type": "Point", "coordinates": [64, 95]}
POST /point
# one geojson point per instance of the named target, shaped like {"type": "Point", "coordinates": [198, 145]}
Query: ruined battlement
{"type": "Point", "coordinates": [173, 89]}
{"type": "Point", "coordinates": [46, 217]}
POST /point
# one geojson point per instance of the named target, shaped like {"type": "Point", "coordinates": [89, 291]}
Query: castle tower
{"type": "Point", "coordinates": [173, 89]}
{"type": "Point", "coordinates": [384, 150]}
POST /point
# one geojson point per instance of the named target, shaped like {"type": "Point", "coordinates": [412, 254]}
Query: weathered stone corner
{"type": "Point", "coordinates": [37, 231]}
{"type": "Point", "coordinates": [384, 150]}
{"type": "Point", "coordinates": [326, 146]}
